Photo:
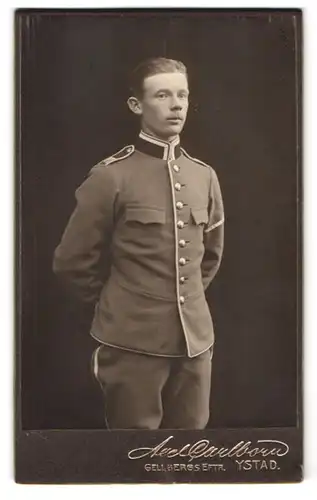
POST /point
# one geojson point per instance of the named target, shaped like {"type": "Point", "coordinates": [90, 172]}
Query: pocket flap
{"type": "Point", "coordinates": [145, 215]}
{"type": "Point", "coordinates": [200, 215]}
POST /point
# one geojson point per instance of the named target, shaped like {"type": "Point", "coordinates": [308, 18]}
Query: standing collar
{"type": "Point", "coordinates": [157, 147]}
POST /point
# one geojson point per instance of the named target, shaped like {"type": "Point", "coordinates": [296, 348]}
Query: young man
{"type": "Point", "coordinates": [159, 215]}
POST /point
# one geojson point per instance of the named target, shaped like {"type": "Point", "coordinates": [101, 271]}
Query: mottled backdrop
{"type": "Point", "coordinates": [242, 121]}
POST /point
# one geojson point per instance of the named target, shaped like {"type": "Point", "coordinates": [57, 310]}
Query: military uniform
{"type": "Point", "coordinates": [159, 213]}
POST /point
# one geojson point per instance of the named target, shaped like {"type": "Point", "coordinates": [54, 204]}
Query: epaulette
{"type": "Point", "coordinates": [120, 155]}
{"type": "Point", "coordinates": [195, 159]}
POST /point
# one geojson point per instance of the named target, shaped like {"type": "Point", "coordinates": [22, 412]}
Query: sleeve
{"type": "Point", "coordinates": [214, 233]}
{"type": "Point", "coordinates": [89, 231]}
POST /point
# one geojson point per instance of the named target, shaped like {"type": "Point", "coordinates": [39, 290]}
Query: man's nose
{"type": "Point", "coordinates": [176, 103]}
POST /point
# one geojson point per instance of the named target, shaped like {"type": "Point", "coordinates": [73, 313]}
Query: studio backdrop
{"type": "Point", "coordinates": [243, 121]}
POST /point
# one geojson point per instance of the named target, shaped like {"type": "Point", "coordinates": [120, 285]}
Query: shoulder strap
{"type": "Point", "coordinates": [120, 155]}
{"type": "Point", "coordinates": [195, 159]}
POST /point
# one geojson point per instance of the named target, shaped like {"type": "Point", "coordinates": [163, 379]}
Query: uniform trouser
{"type": "Point", "coordinates": [150, 392]}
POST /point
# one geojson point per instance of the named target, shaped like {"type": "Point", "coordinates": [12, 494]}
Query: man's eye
{"type": "Point", "coordinates": [161, 96]}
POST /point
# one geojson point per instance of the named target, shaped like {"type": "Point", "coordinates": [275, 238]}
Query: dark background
{"type": "Point", "coordinates": [72, 88]}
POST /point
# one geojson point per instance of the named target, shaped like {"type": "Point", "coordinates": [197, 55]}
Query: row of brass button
{"type": "Point", "coordinates": [180, 225]}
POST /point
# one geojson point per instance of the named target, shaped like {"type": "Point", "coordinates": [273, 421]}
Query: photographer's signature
{"type": "Point", "coordinates": [205, 449]}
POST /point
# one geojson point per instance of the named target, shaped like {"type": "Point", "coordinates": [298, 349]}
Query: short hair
{"type": "Point", "coordinates": [153, 66]}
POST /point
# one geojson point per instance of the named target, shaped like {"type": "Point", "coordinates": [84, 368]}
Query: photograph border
{"type": "Point", "coordinates": [77, 456]}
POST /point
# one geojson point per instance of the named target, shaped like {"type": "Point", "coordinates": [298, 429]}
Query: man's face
{"type": "Point", "coordinates": [164, 104]}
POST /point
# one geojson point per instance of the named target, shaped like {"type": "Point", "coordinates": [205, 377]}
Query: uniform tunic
{"type": "Point", "coordinates": [159, 215]}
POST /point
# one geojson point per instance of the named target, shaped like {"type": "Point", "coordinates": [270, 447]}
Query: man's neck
{"type": "Point", "coordinates": [155, 136]}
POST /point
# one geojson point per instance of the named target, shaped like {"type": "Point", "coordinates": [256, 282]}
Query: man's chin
{"type": "Point", "coordinates": [173, 129]}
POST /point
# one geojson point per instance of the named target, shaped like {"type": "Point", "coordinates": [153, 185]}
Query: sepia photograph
{"type": "Point", "coordinates": [158, 245]}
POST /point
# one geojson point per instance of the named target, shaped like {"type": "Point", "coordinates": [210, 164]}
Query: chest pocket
{"type": "Point", "coordinates": [199, 215]}
{"type": "Point", "coordinates": [145, 215]}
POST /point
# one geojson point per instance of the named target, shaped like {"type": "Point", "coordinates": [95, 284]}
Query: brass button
{"type": "Point", "coordinates": [182, 299]}
{"type": "Point", "coordinates": [178, 186]}
{"type": "Point", "coordinates": [176, 168]}
{"type": "Point", "coordinates": [180, 224]}
{"type": "Point", "coordinates": [182, 243]}
{"type": "Point", "coordinates": [179, 205]}
{"type": "Point", "coordinates": [182, 261]}
{"type": "Point", "coordinates": [182, 280]}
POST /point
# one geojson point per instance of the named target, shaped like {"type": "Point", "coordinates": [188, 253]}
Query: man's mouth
{"type": "Point", "coordinates": [175, 119]}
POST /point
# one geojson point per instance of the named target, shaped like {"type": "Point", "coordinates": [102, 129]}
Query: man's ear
{"type": "Point", "coordinates": [135, 105]}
